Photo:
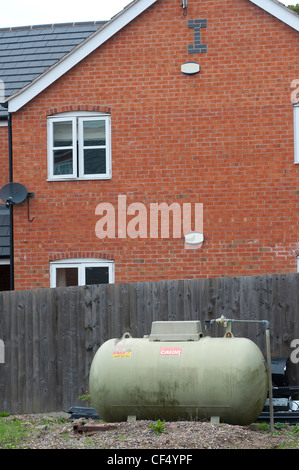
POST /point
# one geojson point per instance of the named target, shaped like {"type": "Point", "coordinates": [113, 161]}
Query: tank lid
{"type": "Point", "coordinates": [176, 331]}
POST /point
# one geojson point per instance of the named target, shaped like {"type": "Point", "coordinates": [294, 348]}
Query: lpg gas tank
{"type": "Point", "coordinates": [177, 374]}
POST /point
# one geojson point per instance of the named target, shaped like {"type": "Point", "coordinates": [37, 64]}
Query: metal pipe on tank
{"type": "Point", "coordinates": [270, 379]}
{"type": "Point", "coordinates": [225, 321]}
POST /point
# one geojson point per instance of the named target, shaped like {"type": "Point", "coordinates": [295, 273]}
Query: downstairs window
{"type": "Point", "coordinates": [75, 272]}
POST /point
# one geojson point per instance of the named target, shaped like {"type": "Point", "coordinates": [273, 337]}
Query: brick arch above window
{"type": "Point", "coordinates": [77, 108]}
{"type": "Point", "coordinates": [81, 271]}
{"type": "Point", "coordinates": [79, 254]}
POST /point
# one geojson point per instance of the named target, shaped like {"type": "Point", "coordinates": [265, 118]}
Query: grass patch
{"type": "Point", "coordinates": [288, 432]}
{"type": "Point", "coordinates": [291, 429]}
{"type": "Point", "coordinates": [11, 434]}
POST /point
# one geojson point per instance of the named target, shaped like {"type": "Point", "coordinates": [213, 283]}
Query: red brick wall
{"type": "Point", "coordinates": [223, 138]}
{"type": "Point", "coordinates": [4, 172]}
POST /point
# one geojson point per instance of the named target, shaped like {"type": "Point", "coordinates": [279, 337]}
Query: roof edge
{"type": "Point", "coordinates": [109, 29]}
{"type": "Point", "coordinates": [279, 11]}
{"type": "Point", "coordinates": [53, 25]}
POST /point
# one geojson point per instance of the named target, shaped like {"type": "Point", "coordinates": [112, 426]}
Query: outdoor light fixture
{"type": "Point", "coordinates": [190, 68]}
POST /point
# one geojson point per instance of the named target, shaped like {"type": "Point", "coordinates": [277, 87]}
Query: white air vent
{"type": "Point", "coordinates": [190, 68]}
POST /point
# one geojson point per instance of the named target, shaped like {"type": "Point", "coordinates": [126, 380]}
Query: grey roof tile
{"type": "Point", "coordinates": [4, 252]}
{"type": "Point", "coordinates": [4, 231]}
{"type": "Point", "coordinates": [27, 52]}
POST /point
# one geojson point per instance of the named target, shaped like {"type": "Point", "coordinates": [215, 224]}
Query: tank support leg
{"type": "Point", "coordinates": [215, 419]}
{"type": "Point", "coordinates": [131, 418]}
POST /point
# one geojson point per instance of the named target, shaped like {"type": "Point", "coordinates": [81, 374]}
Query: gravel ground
{"type": "Point", "coordinates": [57, 431]}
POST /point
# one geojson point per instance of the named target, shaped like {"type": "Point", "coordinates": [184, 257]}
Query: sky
{"type": "Point", "coordinates": [34, 12]}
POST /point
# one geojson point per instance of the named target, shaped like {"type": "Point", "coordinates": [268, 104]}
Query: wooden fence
{"type": "Point", "coordinates": [51, 335]}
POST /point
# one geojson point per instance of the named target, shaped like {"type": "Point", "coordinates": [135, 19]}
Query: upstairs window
{"type": "Point", "coordinates": [79, 146]}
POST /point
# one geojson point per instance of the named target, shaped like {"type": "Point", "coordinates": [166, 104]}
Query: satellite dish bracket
{"type": "Point", "coordinates": [28, 196]}
{"type": "Point", "coordinates": [16, 193]}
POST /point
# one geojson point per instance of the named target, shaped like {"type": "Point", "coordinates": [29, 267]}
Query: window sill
{"type": "Point", "coordinates": [90, 178]}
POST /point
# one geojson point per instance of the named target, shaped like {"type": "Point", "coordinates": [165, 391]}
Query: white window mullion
{"type": "Point", "coordinates": [81, 275]}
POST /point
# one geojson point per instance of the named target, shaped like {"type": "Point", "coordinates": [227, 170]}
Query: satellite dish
{"type": "Point", "coordinates": [13, 193]}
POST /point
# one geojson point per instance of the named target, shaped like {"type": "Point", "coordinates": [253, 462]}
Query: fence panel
{"type": "Point", "coordinates": [51, 335]}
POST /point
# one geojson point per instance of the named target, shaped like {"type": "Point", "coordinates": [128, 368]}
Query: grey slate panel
{"type": "Point", "coordinates": [4, 231]}
{"type": "Point", "coordinates": [27, 52]}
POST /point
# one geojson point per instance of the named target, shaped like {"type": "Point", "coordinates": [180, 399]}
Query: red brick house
{"type": "Point", "coordinates": [169, 102]}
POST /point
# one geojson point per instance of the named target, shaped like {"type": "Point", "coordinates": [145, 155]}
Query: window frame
{"type": "Point", "coordinates": [51, 148]}
{"type": "Point", "coordinates": [81, 264]}
{"type": "Point", "coordinates": [77, 120]}
{"type": "Point", "coordinates": [296, 133]}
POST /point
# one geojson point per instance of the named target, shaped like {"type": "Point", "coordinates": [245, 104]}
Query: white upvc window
{"type": "Point", "coordinates": [79, 146]}
{"type": "Point", "coordinates": [81, 272]}
{"type": "Point", "coordinates": [296, 132]}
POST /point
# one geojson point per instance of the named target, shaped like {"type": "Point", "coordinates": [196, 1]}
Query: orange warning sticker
{"type": "Point", "coordinates": [122, 352]}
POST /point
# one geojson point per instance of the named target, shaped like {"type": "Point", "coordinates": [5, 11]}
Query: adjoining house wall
{"type": "Point", "coordinates": [223, 138]}
{"type": "Point", "coordinates": [4, 212]}
{"type": "Point", "coordinates": [4, 162]}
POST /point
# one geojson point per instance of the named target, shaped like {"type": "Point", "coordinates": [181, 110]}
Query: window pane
{"type": "Point", "coordinates": [94, 161]}
{"type": "Point", "coordinates": [63, 162]}
{"type": "Point", "coordinates": [94, 133]}
{"type": "Point", "coordinates": [62, 134]}
{"type": "Point", "coordinates": [97, 275]}
{"type": "Point", "coordinates": [66, 277]}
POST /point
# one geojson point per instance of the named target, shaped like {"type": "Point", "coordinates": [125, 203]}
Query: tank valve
{"type": "Point", "coordinates": [226, 323]}
{"type": "Point", "coordinates": [222, 320]}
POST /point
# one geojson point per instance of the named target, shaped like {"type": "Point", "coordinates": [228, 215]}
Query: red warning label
{"type": "Point", "coordinates": [170, 351]}
{"type": "Point", "coordinates": [122, 351]}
